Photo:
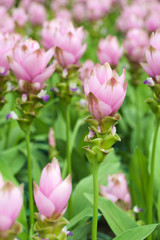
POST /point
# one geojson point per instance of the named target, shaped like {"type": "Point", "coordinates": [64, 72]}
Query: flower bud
{"type": "Point", "coordinates": [52, 195]}
{"type": "Point", "coordinates": [105, 91]}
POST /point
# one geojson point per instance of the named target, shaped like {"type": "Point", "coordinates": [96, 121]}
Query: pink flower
{"type": "Point", "coordinates": [66, 39]}
{"type": "Point", "coordinates": [6, 24]}
{"type": "Point", "coordinates": [116, 189]}
{"type": "Point", "coordinates": [52, 195]}
{"type": "Point", "coordinates": [11, 200]}
{"type": "Point", "coordinates": [7, 42]}
{"type": "Point", "coordinates": [109, 50]}
{"type": "Point", "coordinates": [51, 138]}
{"type": "Point", "coordinates": [25, 55]}
{"type": "Point", "coordinates": [152, 67]}
{"type": "Point", "coordinates": [153, 21]}
{"type": "Point", "coordinates": [105, 91]}
{"type": "Point", "coordinates": [20, 16]}
{"type": "Point", "coordinates": [7, 3]}
{"type": "Point", "coordinates": [37, 13]}
{"type": "Point", "coordinates": [64, 14]}
{"type": "Point", "coordinates": [135, 44]}
{"type": "Point", "coordinates": [97, 9]}
{"type": "Point", "coordinates": [86, 69]}
{"type": "Point", "coordinates": [79, 12]}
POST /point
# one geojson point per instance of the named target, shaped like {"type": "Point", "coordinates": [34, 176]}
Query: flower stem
{"type": "Point", "coordinates": [30, 187]}
{"type": "Point", "coordinates": [69, 165]}
{"type": "Point", "coordinates": [95, 209]}
{"type": "Point", "coordinates": [151, 180]}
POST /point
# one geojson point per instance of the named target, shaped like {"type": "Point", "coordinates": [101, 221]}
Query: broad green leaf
{"type": "Point", "coordinates": [117, 219]}
{"type": "Point", "coordinates": [139, 181]}
{"type": "Point", "coordinates": [138, 233]}
{"type": "Point", "coordinates": [86, 213]}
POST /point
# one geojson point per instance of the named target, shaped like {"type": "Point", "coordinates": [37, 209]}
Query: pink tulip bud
{"type": "Point", "coordinates": [152, 67]}
{"type": "Point", "coordinates": [7, 3]}
{"type": "Point", "coordinates": [11, 200]}
{"type": "Point", "coordinates": [37, 13]}
{"type": "Point", "coordinates": [20, 16]}
{"type": "Point", "coordinates": [105, 91]}
{"type": "Point", "coordinates": [135, 44]}
{"type": "Point", "coordinates": [79, 12]}
{"type": "Point", "coordinates": [86, 69]}
{"type": "Point", "coordinates": [25, 55]}
{"type": "Point", "coordinates": [52, 195]}
{"type": "Point", "coordinates": [116, 189]}
{"type": "Point", "coordinates": [6, 24]}
{"type": "Point", "coordinates": [109, 50]}
{"type": "Point", "coordinates": [64, 14]}
{"type": "Point", "coordinates": [51, 138]}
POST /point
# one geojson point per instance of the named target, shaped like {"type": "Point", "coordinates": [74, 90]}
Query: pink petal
{"type": "Point", "coordinates": [97, 108]}
{"type": "Point", "coordinates": [153, 60]}
{"type": "Point", "coordinates": [117, 105]}
{"type": "Point", "coordinates": [61, 195]}
{"type": "Point", "coordinates": [103, 73]}
{"type": "Point", "coordinates": [64, 58]}
{"type": "Point", "coordinates": [81, 52]}
{"type": "Point", "coordinates": [147, 69]}
{"type": "Point", "coordinates": [110, 92]}
{"type": "Point", "coordinates": [50, 179]}
{"type": "Point", "coordinates": [44, 205]}
{"type": "Point", "coordinates": [19, 71]}
{"type": "Point", "coordinates": [1, 181]}
{"type": "Point", "coordinates": [5, 222]}
{"type": "Point", "coordinates": [43, 77]}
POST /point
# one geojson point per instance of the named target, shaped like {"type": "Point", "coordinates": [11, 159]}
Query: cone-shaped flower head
{"type": "Point", "coordinates": [66, 39]}
{"type": "Point", "coordinates": [11, 200]}
{"type": "Point", "coordinates": [52, 195]}
{"type": "Point", "coordinates": [152, 67]}
{"type": "Point", "coordinates": [105, 91]}
{"type": "Point", "coordinates": [29, 62]}
{"type": "Point", "coordinates": [135, 44]}
{"type": "Point", "coordinates": [117, 189]}
{"type": "Point", "coordinates": [109, 50]}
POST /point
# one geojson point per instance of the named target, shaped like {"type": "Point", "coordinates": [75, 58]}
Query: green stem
{"type": "Point", "coordinates": [151, 180]}
{"type": "Point", "coordinates": [69, 165]}
{"type": "Point", "coordinates": [30, 186]}
{"type": "Point", "coordinates": [138, 118]}
{"type": "Point", "coordinates": [95, 209]}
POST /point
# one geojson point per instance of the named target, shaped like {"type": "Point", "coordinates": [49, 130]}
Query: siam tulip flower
{"type": "Point", "coordinates": [7, 3]}
{"type": "Point", "coordinates": [7, 42]}
{"type": "Point", "coordinates": [66, 39]}
{"type": "Point", "coordinates": [117, 189]}
{"type": "Point", "coordinates": [135, 44]}
{"type": "Point", "coordinates": [86, 69]}
{"type": "Point", "coordinates": [79, 12]}
{"type": "Point", "coordinates": [52, 195]}
{"type": "Point", "coordinates": [25, 55]}
{"type": "Point", "coordinates": [97, 9]}
{"type": "Point", "coordinates": [57, 4]}
{"type": "Point", "coordinates": [37, 13]}
{"type": "Point", "coordinates": [109, 50]}
{"type": "Point", "coordinates": [6, 24]}
{"type": "Point", "coordinates": [64, 14]}
{"type": "Point", "coordinates": [105, 91]}
{"type": "Point", "coordinates": [152, 67]}
{"type": "Point", "coordinates": [20, 16]}
{"type": "Point", "coordinates": [11, 200]}
{"type": "Point", "coordinates": [153, 22]}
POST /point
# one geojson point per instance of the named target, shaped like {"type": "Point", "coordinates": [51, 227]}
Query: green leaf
{"type": "Point", "coordinates": [86, 213]}
{"type": "Point", "coordinates": [117, 219]}
{"type": "Point", "coordinates": [138, 233]}
{"type": "Point", "coordinates": [81, 232]}
{"type": "Point", "coordinates": [139, 181]}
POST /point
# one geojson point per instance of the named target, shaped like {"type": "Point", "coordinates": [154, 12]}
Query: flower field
{"type": "Point", "coordinates": [79, 119]}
